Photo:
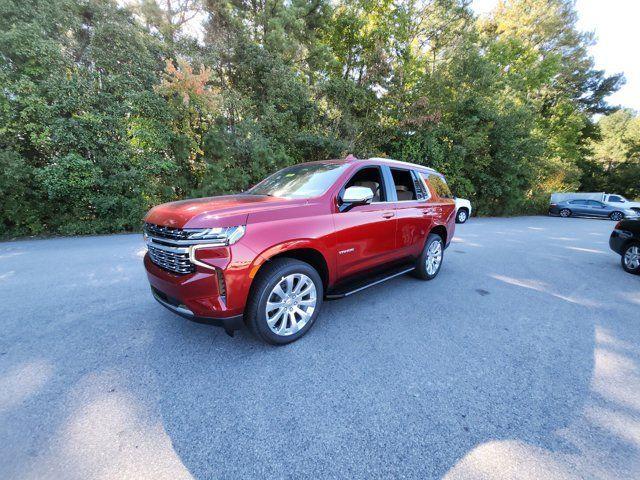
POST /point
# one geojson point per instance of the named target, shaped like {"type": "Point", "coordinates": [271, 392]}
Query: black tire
{"type": "Point", "coordinates": [464, 217]}
{"type": "Point", "coordinates": [269, 276]}
{"type": "Point", "coordinates": [616, 216]}
{"type": "Point", "coordinates": [565, 212]}
{"type": "Point", "coordinates": [421, 270]}
{"type": "Point", "coordinates": [623, 259]}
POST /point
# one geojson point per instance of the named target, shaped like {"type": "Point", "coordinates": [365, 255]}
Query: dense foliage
{"type": "Point", "coordinates": [107, 110]}
{"type": "Point", "coordinates": [614, 162]}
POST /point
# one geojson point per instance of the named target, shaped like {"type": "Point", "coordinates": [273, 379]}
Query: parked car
{"type": "Point", "coordinates": [463, 209]}
{"type": "Point", "coordinates": [612, 199]}
{"type": "Point", "coordinates": [621, 202]}
{"type": "Point", "coordinates": [268, 257]}
{"type": "Point", "coordinates": [589, 208]}
{"type": "Point", "coordinates": [625, 240]}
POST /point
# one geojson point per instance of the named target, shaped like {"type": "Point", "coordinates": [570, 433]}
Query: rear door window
{"type": "Point", "coordinates": [404, 184]}
{"type": "Point", "coordinates": [578, 202]}
{"type": "Point", "coordinates": [421, 187]}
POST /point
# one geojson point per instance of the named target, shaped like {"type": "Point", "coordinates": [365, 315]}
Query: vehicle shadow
{"type": "Point", "coordinates": [383, 386]}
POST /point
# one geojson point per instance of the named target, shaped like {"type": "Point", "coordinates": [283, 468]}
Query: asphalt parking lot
{"type": "Point", "coordinates": [521, 360]}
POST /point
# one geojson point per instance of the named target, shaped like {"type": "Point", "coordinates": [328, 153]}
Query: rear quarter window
{"type": "Point", "coordinates": [438, 184]}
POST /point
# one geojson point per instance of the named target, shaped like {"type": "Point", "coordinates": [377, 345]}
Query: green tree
{"type": "Point", "coordinates": [106, 111]}
{"type": "Point", "coordinates": [614, 165]}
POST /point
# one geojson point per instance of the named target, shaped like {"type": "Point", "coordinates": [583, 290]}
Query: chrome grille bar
{"type": "Point", "coordinates": [171, 248]}
{"type": "Point", "coordinates": [172, 260]}
{"type": "Point", "coordinates": [171, 233]}
{"type": "Point", "coordinates": [181, 237]}
{"type": "Point", "coordinates": [167, 257]}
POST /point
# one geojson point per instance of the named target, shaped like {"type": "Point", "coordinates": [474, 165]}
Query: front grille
{"type": "Point", "coordinates": [160, 231]}
{"type": "Point", "coordinates": [174, 260]}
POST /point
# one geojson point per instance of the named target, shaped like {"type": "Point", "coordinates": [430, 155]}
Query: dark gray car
{"type": "Point", "coordinates": [590, 208]}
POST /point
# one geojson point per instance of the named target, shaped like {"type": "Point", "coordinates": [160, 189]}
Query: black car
{"type": "Point", "coordinates": [590, 208]}
{"type": "Point", "coordinates": [625, 240]}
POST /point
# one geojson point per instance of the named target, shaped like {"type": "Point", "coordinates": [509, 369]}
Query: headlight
{"type": "Point", "coordinates": [219, 235]}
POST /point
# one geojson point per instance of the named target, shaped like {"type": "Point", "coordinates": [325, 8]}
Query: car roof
{"type": "Point", "coordinates": [351, 159]}
{"type": "Point", "coordinates": [398, 163]}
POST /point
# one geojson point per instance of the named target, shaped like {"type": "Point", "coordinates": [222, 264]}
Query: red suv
{"type": "Point", "coordinates": [267, 258]}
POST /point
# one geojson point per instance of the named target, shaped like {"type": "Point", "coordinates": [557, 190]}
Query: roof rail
{"type": "Point", "coordinates": [400, 162]}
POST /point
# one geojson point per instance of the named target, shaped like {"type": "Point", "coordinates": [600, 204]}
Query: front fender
{"type": "Point", "coordinates": [290, 245]}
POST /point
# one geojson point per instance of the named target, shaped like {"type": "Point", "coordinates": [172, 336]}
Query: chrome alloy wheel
{"type": "Point", "coordinates": [434, 257]}
{"type": "Point", "coordinates": [632, 258]}
{"type": "Point", "coordinates": [462, 216]}
{"type": "Point", "coordinates": [290, 304]}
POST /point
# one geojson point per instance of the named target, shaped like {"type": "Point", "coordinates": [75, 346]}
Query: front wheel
{"type": "Point", "coordinates": [285, 301]}
{"type": "Point", "coordinates": [631, 258]}
{"type": "Point", "coordinates": [462, 215]}
{"type": "Point", "coordinates": [429, 262]}
{"type": "Point", "coordinates": [616, 216]}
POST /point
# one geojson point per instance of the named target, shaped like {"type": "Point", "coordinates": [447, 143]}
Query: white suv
{"type": "Point", "coordinates": [463, 209]}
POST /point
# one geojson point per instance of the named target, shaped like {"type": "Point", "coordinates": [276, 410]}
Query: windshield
{"type": "Point", "coordinates": [300, 181]}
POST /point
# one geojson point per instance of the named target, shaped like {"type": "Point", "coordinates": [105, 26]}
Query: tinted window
{"type": "Point", "coordinates": [300, 181]}
{"type": "Point", "coordinates": [439, 184]}
{"type": "Point", "coordinates": [593, 203]}
{"type": "Point", "coordinates": [370, 177]}
{"type": "Point", "coordinates": [615, 198]}
{"type": "Point", "coordinates": [578, 202]}
{"type": "Point", "coordinates": [405, 188]}
{"type": "Point", "coordinates": [421, 189]}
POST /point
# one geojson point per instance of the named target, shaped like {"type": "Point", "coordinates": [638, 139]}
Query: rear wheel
{"type": "Point", "coordinates": [565, 212]}
{"type": "Point", "coordinates": [631, 258]}
{"type": "Point", "coordinates": [616, 216]}
{"type": "Point", "coordinates": [462, 215]}
{"type": "Point", "coordinates": [285, 301]}
{"type": "Point", "coordinates": [429, 263]}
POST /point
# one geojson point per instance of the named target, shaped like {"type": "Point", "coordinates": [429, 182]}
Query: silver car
{"type": "Point", "coordinates": [590, 208]}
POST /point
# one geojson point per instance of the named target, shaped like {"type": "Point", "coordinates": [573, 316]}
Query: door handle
{"type": "Point", "coordinates": [388, 214]}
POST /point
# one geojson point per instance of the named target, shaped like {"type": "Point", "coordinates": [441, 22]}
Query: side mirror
{"type": "Point", "coordinates": [354, 196]}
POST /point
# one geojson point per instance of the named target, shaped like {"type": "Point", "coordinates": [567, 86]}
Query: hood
{"type": "Point", "coordinates": [223, 211]}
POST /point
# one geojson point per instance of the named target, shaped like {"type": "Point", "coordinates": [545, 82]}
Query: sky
{"type": "Point", "coordinates": [617, 29]}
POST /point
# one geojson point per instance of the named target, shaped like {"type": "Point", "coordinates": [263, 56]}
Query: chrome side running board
{"type": "Point", "coordinates": [362, 285]}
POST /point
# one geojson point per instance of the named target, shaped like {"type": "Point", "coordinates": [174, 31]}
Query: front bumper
{"type": "Point", "coordinates": [230, 324]}
{"type": "Point", "coordinates": [196, 296]}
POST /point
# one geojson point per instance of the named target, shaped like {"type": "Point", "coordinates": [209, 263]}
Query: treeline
{"type": "Point", "coordinates": [107, 110]}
